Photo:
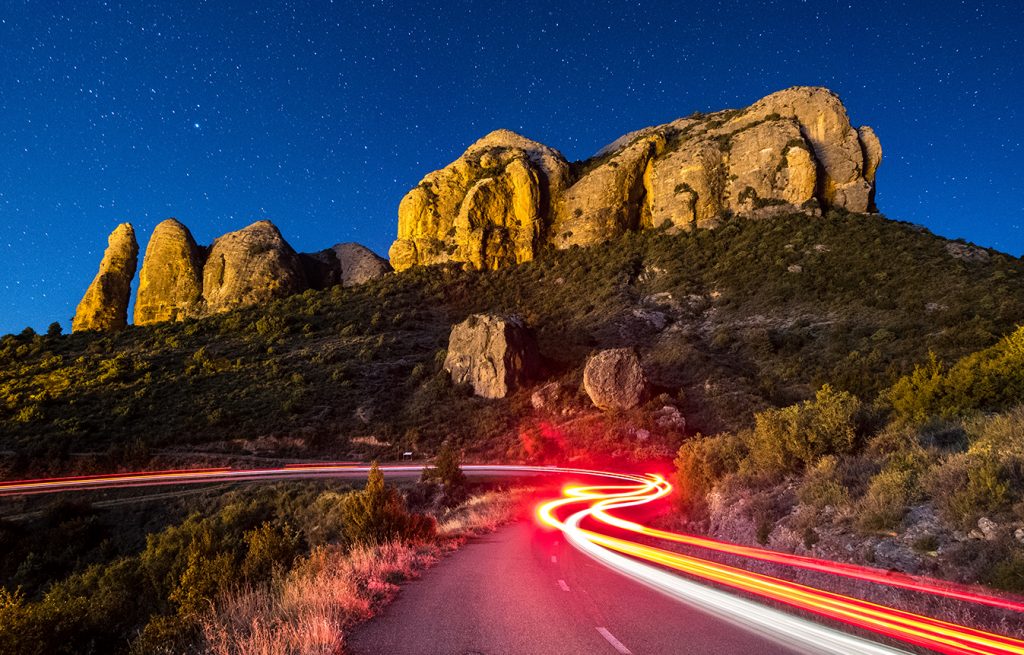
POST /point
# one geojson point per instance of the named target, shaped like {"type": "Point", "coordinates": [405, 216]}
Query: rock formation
{"type": "Point", "coordinates": [495, 354]}
{"type": "Point", "coordinates": [170, 282]}
{"type": "Point", "coordinates": [486, 209]}
{"type": "Point", "coordinates": [347, 264]}
{"type": "Point", "coordinates": [105, 303]}
{"type": "Point", "coordinates": [180, 279]}
{"type": "Point", "coordinates": [359, 264]}
{"type": "Point", "coordinates": [253, 265]}
{"type": "Point", "coordinates": [508, 196]}
{"type": "Point", "coordinates": [614, 379]}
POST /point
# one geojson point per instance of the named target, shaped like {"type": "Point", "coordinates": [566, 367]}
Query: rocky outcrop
{"type": "Point", "coordinates": [180, 279]}
{"type": "Point", "coordinates": [105, 303]}
{"type": "Point", "coordinates": [347, 264]}
{"type": "Point", "coordinates": [508, 196]}
{"type": "Point", "coordinates": [253, 265]}
{"type": "Point", "coordinates": [486, 209]}
{"type": "Point", "coordinates": [614, 379]}
{"type": "Point", "coordinates": [170, 282]}
{"type": "Point", "coordinates": [494, 354]}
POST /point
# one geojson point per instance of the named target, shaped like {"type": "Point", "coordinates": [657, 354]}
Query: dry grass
{"type": "Point", "coordinates": [310, 609]}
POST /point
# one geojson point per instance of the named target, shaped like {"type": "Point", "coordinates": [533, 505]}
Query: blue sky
{"type": "Point", "coordinates": [320, 116]}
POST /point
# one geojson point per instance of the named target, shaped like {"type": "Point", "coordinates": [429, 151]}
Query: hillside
{"type": "Point", "coordinates": [753, 314]}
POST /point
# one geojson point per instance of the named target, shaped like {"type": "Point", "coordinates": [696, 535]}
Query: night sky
{"type": "Point", "coordinates": [320, 116]}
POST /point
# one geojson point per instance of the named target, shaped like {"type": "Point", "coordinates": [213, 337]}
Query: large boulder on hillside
{"type": "Point", "coordinates": [250, 266]}
{"type": "Point", "coordinates": [171, 279]}
{"type": "Point", "coordinates": [105, 303]}
{"type": "Point", "coordinates": [614, 379]}
{"type": "Point", "coordinates": [487, 209]}
{"type": "Point", "coordinates": [494, 354]}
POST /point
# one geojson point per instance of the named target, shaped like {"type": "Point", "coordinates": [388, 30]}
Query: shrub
{"type": "Point", "coordinates": [447, 472]}
{"type": "Point", "coordinates": [701, 462]}
{"type": "Point", "coordinates": [377, 514]}
{"type": "Point", "coordinates": [793, 438]}
{"type": "Point", "coordinates": [885, 504]}
{"type": "Point", "coordinates": [991, 379]}
{"type": "Point", "coordinates": [821, 486]}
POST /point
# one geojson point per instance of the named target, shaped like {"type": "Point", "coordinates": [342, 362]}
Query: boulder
{"type": "Point", "coordinates": [494, 354]}
{"type": "Point", "coordinates": [253, 265]}
{"type": "Point", "coordinates": [105, 303]}
{"type": "Point", "coordinates": [614, 379]}
{"type": "Point", "coordinates": [170, 282]}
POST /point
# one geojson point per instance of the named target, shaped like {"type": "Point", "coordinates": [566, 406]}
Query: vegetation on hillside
{"type": "Point", "coordinates": [949, 439]}
{"type": "Point", "coordinates": [752, 315]}
{"type": "Point", "coordinates": [72, 590]}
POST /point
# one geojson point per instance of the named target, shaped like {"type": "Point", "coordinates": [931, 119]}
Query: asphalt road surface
{"type": "Point", "coordinates": [523, 590]}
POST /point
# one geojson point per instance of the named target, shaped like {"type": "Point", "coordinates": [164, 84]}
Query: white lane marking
{"type": "Point", "coordinates": [554, 559]}
{"type": "Point", "coordinates": [565, 587]}
{"type": "Point", "coordinates": [616, 644]}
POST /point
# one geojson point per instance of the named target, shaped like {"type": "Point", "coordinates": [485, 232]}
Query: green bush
{"type": "Point", "coordinates": [991, 379]}
{"type": "Point", "coordinates": [822, 487]}
{"type": "Point", "coordinates": [701, 462]}
{"type": "Point", "coordinates": [794, 438]}
{"type": "Point", "coordinates": [377, 514]}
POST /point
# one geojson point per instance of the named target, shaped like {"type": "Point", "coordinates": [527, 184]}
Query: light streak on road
{"type": "Point", "coordinates": [593, 507]}
{"type": "Point", "coordinates": [910, 628]}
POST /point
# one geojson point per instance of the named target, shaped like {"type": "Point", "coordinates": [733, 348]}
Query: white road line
{"type": "Point", "coordinates": [616, 644]}
{"type": "Point", "coordinates": [565, 587]}
{"type": "Point", "coordinates": [554, 559]}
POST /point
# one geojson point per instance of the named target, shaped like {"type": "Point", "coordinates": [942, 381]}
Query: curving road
{"type": "Point", "coordinates": [596, 582]}
{"type": "Point", "coordinates": [524, 591]}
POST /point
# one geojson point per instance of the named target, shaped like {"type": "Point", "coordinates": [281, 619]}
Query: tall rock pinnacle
{"type": "Point", "coordinates": [171, 279]}
{"type": "Point", "coordinates": [105, 303]}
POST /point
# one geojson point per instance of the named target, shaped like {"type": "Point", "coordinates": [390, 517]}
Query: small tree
{"type": "Point", "coordinates": [448, 473]}
{"type": "Point", "coordinates": [377, 514]}
{"type": "Point", "coordinates": [55, 330]}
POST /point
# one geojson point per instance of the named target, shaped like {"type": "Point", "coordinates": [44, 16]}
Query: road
{"type": "Point", "coordinates": [588, 585]}
{"type": "Point", "coordinates": [523, 591]}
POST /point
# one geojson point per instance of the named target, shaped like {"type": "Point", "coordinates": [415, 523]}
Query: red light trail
{"type": "Point", "coordinates": [593, 505]}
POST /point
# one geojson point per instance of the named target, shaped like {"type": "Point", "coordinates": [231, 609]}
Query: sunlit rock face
{"type": "Point", "coordinates": [493, 354]}
{"type": "Point", "coordinates": [253, 265]}
{"type": "Point", "coordinates": [105, 303]}
{"type": "Point", "coordinates": [170, 282]}
{"type": "Point", "coordinates": [487, 209]}
{"type": "Point", "coordinates": [507, 196]}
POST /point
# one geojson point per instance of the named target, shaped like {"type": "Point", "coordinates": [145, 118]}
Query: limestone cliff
{"type": "Point", "coordinates": [105, 303]}
{"type": "Point", "coordinates": [508, 196]}
{"type": "Point", "coordinates": [170, 282]}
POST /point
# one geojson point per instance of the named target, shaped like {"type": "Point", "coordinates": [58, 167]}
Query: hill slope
{"type": "Point", "coordinates": [749, 315]}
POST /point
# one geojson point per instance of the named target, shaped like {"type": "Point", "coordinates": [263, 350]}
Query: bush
{"type": "Point", "coordinates": [989, 477]}
{"type": "Point", "coordinates": [447, 472]}
{"type": "Point", "coordinates": [991, 379]}
{"type": "Point", "coordinates": [822, 487]}
{"type": "Point", "coordinates": [885, 504]}
{"type": "Point", "coordinates": [377, 515]}
{"type": "Point", "coordinates": [793, 438]}
{"type": "Point", "coordinates": [701, 462]}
